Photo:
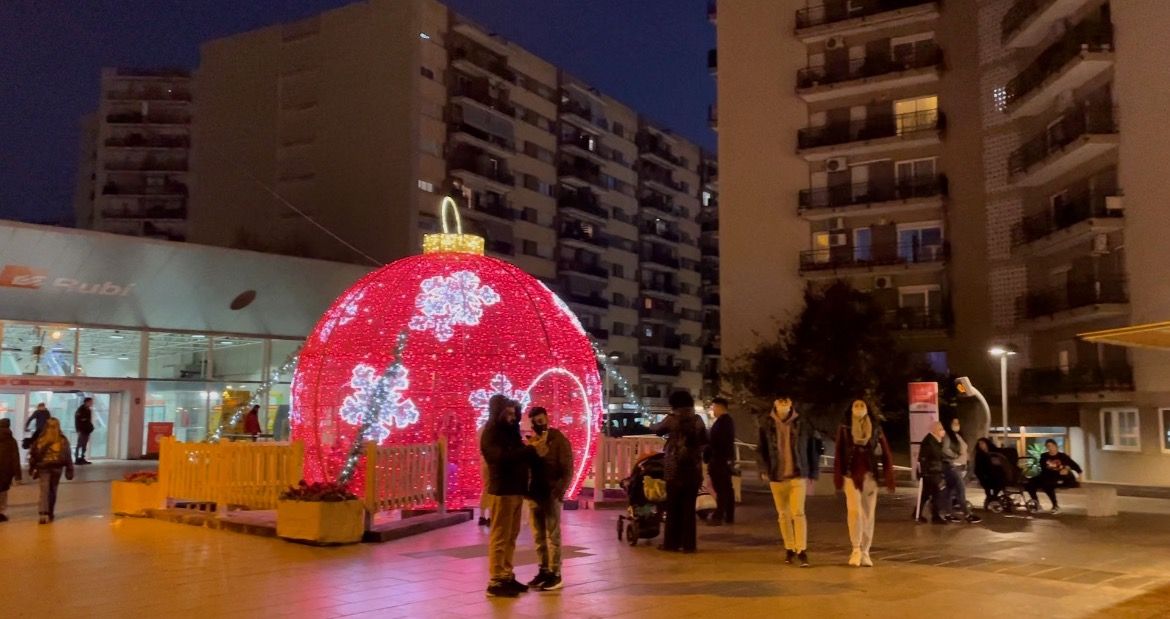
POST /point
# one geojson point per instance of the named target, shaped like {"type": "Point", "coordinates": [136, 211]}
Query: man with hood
{"type": "Point", "coordinates": [508, 462]}
{"type": "Point", "coordinates": [790, 462]}
{"type": "Point", "coordinates": [552, 471]}
{"type": "Point", "coordinates": [9, 464]}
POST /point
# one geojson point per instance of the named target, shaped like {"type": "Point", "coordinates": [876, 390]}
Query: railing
{"type": "Point", "coordinates": [1116, 376]}
{"type": "Point", "coordinates": [660, 369]}
{"type": "Point", "coordinates": [579, 234]}
{"type": "Point", "coordinates": [168, 188]}
{"type": "Point", "coordinates": [241, 475]}
{"type": "Point", "coordinates": [873, 192]}
{"type": "Point", "coordinates": [154, 212]}
{"type": "Point", "coordinates": [666, 235]}
{"type": "Point", "coordinates": [147, 165]}
{"type": "Point", "coordinates": [149, 95]}
{"type": "Point", "coordinates": [663, 206]}
{"type": "Point", "coordinates": [910, 124]}
{"type": "Point", "coordinates": [616, 456]}
{"type": "Point", "coordinates": [839, 11]}
{"type": "Point", "coordinates": [869, 66]}
{"type": "Point", "coordinates": [480, 134]}
{"type": "Point", "coordinates": [139, 118]}
{"type": "Point", "coordinates": [1079, 208]}
{"type": "Point", "coordinates": [651, 144]}
{"type": "Point", "coordinates": [589, 174]}
{"type": "Point", "coordinates": [584, 204]}
{"type": "Point", "coordinates": [484, 99]}
{"type": "Point", "coordinates": [658, 313]}
{"type": "Point", "coordinates": [469, 164]}
{"type": "Point", "coordinates": [493, 65]}
{"type": "Point", "coordinates": [577, 109]}
{"type": "Point", "coordinates": [709, 248]}
{"type": "Point", "coordinates": [1087, 36]}
{"type": "Point", "coordinates": [503, 248]}
{"type": "Point", "coordinates": [497, 209]}
{"type": "Point", "coordinates": [672, 342]}
{"type": "Point", "coordinates": [916, 319]}
{"type": "Point", "coordinates": [1019, 13]}
{"type": "Point", "coordinates": [664, 179]}
{"type": "Point", "coordinates": [709, 226]}
{"type": "Point", "coordinates": [662, 259]}
{"type": "Point", "coordinates": [1085, 119]}
{"type": "Point", "coordinates": [592, 300]}
{"type": "Point", "coordinates": [582, 141]}
{"type": "Point", "coordinates": [662, 288]}
{"type": "Point", "coordinates": [405, 476]}
{"type": "Point", "coordinates": [1073, 295]}
{"type": "Point", "coordinates": [580, 267]}
{"type": "Point", "coordinates": [889, 254]}
{"type": "Point", "coordinates": [598, 332]}
{"type": "Point", "coordinates": [154, 141]}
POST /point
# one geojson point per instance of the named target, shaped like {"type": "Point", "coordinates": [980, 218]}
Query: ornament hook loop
{"type": "Point", "coordinates": [449, 201]}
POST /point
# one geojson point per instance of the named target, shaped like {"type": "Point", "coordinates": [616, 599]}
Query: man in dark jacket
{"type": "Point", "coordinates": [37, 419]}
{"type": "Point", "coordinates": [931, 467]}
{"type": "Point", "coordinates": [508, 460]}
{"type": "Point", "coordinates": [552, 471]}
{"type": "Point", "coordinates": [790, 461]}
{"type": "Point", "coordinates": [1056, 469]}
{"type": "Point", "coordinates": [685, 439]}
{"type": "Point", "coordinates": [721, 463]}
{"type": "Point", "coordinates": [9, 464]}
{"type": "Point", "coordinates": [83, 423]}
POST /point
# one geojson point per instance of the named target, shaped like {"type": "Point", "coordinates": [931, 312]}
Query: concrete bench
{"type": "Point", "coordinates": [1100, 499]}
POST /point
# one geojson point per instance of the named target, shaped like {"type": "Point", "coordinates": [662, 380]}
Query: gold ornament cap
{"type": "Point", "coordinates": [448, 241]}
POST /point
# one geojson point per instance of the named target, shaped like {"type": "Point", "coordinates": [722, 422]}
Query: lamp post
{"type": "Point", "coordinates": [1003, 352]}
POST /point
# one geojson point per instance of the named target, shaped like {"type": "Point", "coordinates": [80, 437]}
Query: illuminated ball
{"type": "Point", "coordinates": [475, 326]}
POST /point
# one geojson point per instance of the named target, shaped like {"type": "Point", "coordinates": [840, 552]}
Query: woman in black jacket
{"type": "Point", "coordinates": [685, 438]}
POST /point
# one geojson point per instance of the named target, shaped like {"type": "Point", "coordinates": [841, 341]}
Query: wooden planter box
{"type": "Point", "coordinates": [130, 498]}
{"type": "Point", "coordinates": [319, 522]}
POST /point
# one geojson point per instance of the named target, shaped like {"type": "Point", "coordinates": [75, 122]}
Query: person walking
{"type": "Point", "coordinates": [955, 458]}
{"type": "Point", "coordinates": [863, 456]}
{"type": "Point", "coordinates": [9, 465]}
{"type": "Point", "coordinates": [38, 419]}
{"type": "Point", "coordinates": [720, 458]}
{"type": "Point", "coordinates": [790, 463]}
{"type": "Point", "coordinates": [252, 422]}
{"type": "Point", "coordinates": [552, 471]}
{"type": "Point", "coordinates": [83, 424]}
{"type": "Point", "coordinates": [508, 460]}
{"type": "Point", "coordinates": [49, 457]}
{"type": "Point", "coordinates": [932, 470]}
{"type": "Point", "coordinates": [685, 439]}
{"type": "Point", "coordinates": [1056, 469]}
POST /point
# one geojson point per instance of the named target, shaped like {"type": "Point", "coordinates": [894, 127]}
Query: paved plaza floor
{"type": "Point", "coordinates": [89, 564]}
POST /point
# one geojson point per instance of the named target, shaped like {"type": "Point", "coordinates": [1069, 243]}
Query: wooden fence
{"type": "Point", "coordinates": [241, 475]}
{"type": "Point", "coordinates": [616, 456]}
{"type": "Point", "coordinates": [405, 476]}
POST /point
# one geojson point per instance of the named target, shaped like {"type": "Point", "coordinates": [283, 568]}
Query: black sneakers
{"type": "Point", "coordinates": [484, 522]}
{"type": "Point", "coordinates": [803, 556]}
{"type": "Point", "coordinates": [501, 590]}
{"type": "Point", "coordinates": [973, 519]}
{"type": "Point", "coordinates": [552, 583]}
{"type": "Point", "coordinates": [789, 556]}
{"type": "Point", "coordinates": [541, 577]}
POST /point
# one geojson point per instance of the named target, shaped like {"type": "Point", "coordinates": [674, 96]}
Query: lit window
{"type": "Point", "coordinates": [1120, 429]}
{"type": "Point", "coordinates": [426, 186]}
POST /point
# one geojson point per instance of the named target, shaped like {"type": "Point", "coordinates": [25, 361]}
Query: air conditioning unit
{"type": "Point", "coordinates": [883, 282]}
{"type": "Point", "coordinates": [1113, 204]}
{"type": "Point", "coordinates": [839, 239]}
{"type": "Point", "coordinates": [1100, 244]}
{"type": "Point", "coordinates": [834, 43]}
{"type": "Point", "coordinates": [837, 164]}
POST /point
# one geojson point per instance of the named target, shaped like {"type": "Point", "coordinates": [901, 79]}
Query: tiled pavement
{"type": "Point", "coordinates": [88, 564]}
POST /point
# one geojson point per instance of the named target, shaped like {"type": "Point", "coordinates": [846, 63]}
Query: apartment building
{"type": "Point", "coordinates": [709, 274]}
{"type": "Point", "coordinates": [1074, 218]}
{"type": "Point", "coordinates": [133, 175]}
{"type": "Point", "coordinates": [364, 116]}
{"type": "Point", "coordinates": [861, 163]}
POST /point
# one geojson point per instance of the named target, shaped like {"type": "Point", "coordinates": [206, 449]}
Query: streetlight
{"type": "Point", "coordinates": [1003, 351]}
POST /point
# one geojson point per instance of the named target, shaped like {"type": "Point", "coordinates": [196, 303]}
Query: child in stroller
{"type": "Point", "coordinates": [1002, 473]}
{"type": "Point", "coordinates": [646, 493]}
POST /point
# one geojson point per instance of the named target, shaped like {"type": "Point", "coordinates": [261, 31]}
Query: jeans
{"type": "Point", "coordinates": [82, 444]}
{"type": "Point", "coordinates": [545, 518]}
{"type": "Point", "coordinates": [957, 489]}
{"type": "Point", "coordinates": [49, 479]}
{"type": "Point", "coordinates": [724, 492]}
{"type": "Point", "coordinates": [1045, 483]}
{"type": "Point", "coordinates": [861, 505]}
{"type": "Point", "coordinates": [505, 528]}
{"type": "Point", "coordinates": [789, 495]}
{"type": "Point", "coordinates": [680, 515]}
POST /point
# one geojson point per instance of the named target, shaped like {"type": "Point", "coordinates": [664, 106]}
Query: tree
{"type": "Point", "coordinates": [840, 348]}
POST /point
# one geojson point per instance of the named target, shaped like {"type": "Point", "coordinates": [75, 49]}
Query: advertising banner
{"type": "Point", "coordinates": [923, 413]}
{"type": "Point", "coordinates": [155, 431]}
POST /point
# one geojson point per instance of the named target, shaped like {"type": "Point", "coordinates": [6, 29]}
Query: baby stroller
{"type": "Point", "coordinates": [1005, 482]}
{"type": "Point", "coordinates": [646, 490]}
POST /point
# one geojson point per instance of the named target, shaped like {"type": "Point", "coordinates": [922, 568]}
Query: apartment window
{"type": "Point", "coordinates": [427, 73]}
{"type": "Point", "coordinates": [620, 299]}
{"type": "Point", "coordinates": [618, 328]}
{"type": "Point", "coordinates": [862, 245]}
{"type": "Point", "coordinates": [535, 184]}
{"type": "Point", "coordinates": [1164, 427]}
{"type": "Point", "coordinates": [426, 186]}
{"type": "Point", "coordinates": [536, 152]}
{"type": "Point", "coordinates": [920, 241]}
{"type": "Point", "coordinates": [617, 271]}
{"type": "Point", "coordinates": [530, 214]}
{"type": "Point", "coordinates": [1120, 429]}
{"type": "Point", "coordinates": [915, 169]}
{"type": "Point", "coordinates": [924, 299]}
{"type": "Point", "coordinates": [820, 245]}
{"type": "Point", "coordinates": [916, 114]}
{"type": "Point", "coordinates": [530, 248]}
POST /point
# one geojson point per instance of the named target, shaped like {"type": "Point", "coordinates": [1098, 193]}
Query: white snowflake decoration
{"type": "Point", "coordinates": [500, 384]}
{"type": "Point", "coordinates": [344, 314]}
{"type": "Point", "coordinates": [380, 395]}
{"type": "Point", "coordinates": [565, 309]}
{"type": "Point", "coordinates": [449, 301]}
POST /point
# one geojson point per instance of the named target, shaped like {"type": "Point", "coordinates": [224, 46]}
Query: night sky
{"type": "Point", "coordinates": [650, 54]}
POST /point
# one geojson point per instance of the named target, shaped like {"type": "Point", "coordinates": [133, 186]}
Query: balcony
{"type": "Point", "coordinates": [709, 227]}
{"type": "Point", "coordinates": [154, 118]}
{"type": "Point", "coordinates": [140, 141]}
{"type": "Point", "coordinates": [581, 268]}
{"type": "Point", "coordinates": [911, 320]}
{"type": "Point", "coordinates": [166, 188]}
{"type": "Point", "coordinates": [650, 230]}
{"type": "Point", "coordinates": [502, 248]}
{"type": "Point", "coordinates": [480, 62]}
{"type": "Point", "coordinates": [1082, 134]}
{"type": "Point", "coordinates": [498, 209]}
{"type": "Point", "coordinates": [578, 113]}
{"type": "Point", "coordinates": [481, 168]}
{"type": "Point", "coordinates": [711, 300]}
{"type": "Point", "coordinates": [583, 203]}
{"type": "Point", "coordinates": [876, 72]}
{"type": "Point", "coordinates": [581, 173]}
{"type": "Point", "coordinates": [1079, 380]}
{"type": "Point", "coordinates": [660, 205]}
{"type": "Point", "coordinates": [469, 134]}
{"type": "Point", "coordinates": [873, 198]}
{"type": "Point", "coordinates": [1028, 21]}
{"type": "Point", "coordinates": [1076, 220]}
{"type": "Point", "coordinates": [1082, 54]}
{"type": "Point", "coordinates": [590, 300]}
{"type": "Point", "coordinates": [870, 135]}
{"type": "Point", "coordinates": [662, 181]}
{"type": "Point", "coordinates": [147, 164]}
{"type": "Point", "coordinates": [598, 333]}
{"type": "Point", "coordinates": [582, 144]}
{"type": "Point", "coordinates": [581, 234]}
{"type": "Point", "coordinates": [481, 98]}
{"type": "Point", "coordinates": [664, 341]}
{"type": "Point", "coordinates": [655, 148]}
{"type": "Point", "coordinates": [155, 212]}
{"type": "Point", "coordinates": [1077, 301]}
{"type": "Point", "coordinates": [661, 369]}
{"type": "Point", "coordinates": [660, 259]}
{"type": "Point", "coordinates": [816, 23]}
{"type": "Point", "coordinates": [661, 289]}
{"type": "Point", "coordinates": [876, 258]}
{"type": "Point", "coordinates": [659, 313]}
{"type": "Point", "coordinates": [150, 94]}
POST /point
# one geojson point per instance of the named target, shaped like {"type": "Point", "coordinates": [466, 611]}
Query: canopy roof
{"type": "Point", "coordinates": [1155, 335]}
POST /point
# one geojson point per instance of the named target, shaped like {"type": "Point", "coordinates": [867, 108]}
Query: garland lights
{"type": "Point", "coordinates": [619, 380]}
{"type": "Point", "coordinates": [290, 364]}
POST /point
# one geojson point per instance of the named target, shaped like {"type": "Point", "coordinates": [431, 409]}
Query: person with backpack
{"type": "Point", "coordinates": [9, 465]}
{"type": "Point", "coordinates": [83, 424]}
{"type": "Point", "coordinates": [685, 438]}
{"type": "Point", "coordinates": [48, 459]}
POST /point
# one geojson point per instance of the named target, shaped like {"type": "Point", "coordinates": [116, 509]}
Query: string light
{"type": "Point", "coordinates": [290, 363]}
{"type": "Point", "coordinates": [384, 395]}
{"type": "Point", "coordinates": [620, 381]}
{"type": "Point", "coordinates": [471, 318]}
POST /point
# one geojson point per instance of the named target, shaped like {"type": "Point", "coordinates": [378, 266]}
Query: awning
{"type": "Point", "coordinates": [1155, 335]}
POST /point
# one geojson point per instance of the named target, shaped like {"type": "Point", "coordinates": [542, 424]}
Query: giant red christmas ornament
{"type": "Point", "coordinates": [475, 326]}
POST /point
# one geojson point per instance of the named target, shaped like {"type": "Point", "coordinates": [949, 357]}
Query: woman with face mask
{"type": "Point", "coordinates": [955, 456]}
{"type": "Point", "coordinates": [862, 458]}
